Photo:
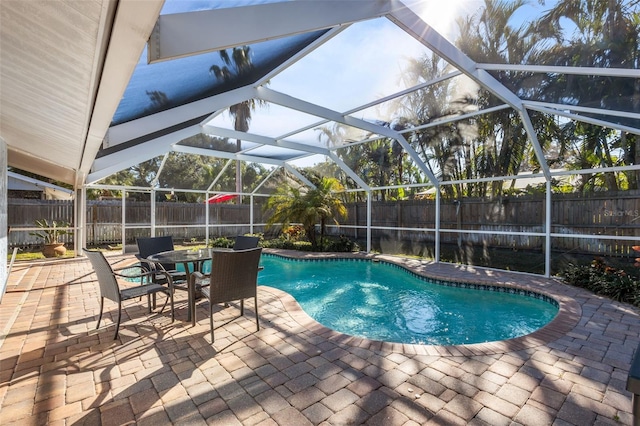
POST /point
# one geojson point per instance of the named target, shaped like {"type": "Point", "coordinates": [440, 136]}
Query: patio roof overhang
{"type": "Point", "coordinates": [64, 66]}
{"type": "Point", "coordinates": [66, 112]}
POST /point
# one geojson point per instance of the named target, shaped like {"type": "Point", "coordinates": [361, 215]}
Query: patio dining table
{"type": "Point", "coordinates": [188, 257]}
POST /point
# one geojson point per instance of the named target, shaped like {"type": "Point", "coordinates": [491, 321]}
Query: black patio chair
{"type": "Point", "coordinates": [244, 242]}
{"type": "Point", "coordinates": [234, 276]}
{"type": "Point", "coordinates": [153, 245]}
{"type": "Point", "coordinates": [112, 290]}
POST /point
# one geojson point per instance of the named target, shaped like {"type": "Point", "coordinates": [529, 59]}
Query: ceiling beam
{"type": "Point", "coordinates": [263, 140]}
{"type": "Point", "coordinates": [228, 155]}
{"type": "Point", "coordinates": [152, 123]}
{"type": "Point", "coordinates": [578, 108]}
{"type": "Point", "coordinates": [411, 23]}
{"type": "Point", "coordinates": [421, 31]}
{"type": "Point", "coordinates": [591, 71]}
{"type": "Point", "coordinates": [120, 160]}
{"type": "Point", "coordinates": [297, 104]}
{"type": "Point", "coordinates": [349, 171]}
{"type": "Point", "coordinates": [185, 34]}
{"type": "Point", "coordinates": [585, 119]}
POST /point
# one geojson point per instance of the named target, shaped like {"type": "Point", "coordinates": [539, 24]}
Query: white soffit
{"type": "Point", "coordinates": [58, 91]}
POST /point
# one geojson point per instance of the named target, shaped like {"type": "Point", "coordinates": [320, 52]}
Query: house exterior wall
{"type": "Point", "coordinates": [3, 217]}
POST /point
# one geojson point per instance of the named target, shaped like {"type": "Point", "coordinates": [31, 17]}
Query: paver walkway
{"type": "Point", "coordinates": [56, 369]}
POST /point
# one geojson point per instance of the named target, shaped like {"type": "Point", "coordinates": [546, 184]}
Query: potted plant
{"type": "Point", "coordinates": [50, 233]}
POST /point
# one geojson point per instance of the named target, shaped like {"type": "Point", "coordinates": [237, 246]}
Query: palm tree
{"type": "Point", "coordinates": [327, 204]}
{"type": "Point", "coordinates": [604, 34]}
{"type": "Point", "coordinates": [501, 145]}
{"type": "Point", "coordinates": [237, 66]}
{"type": "Point", "coordinates": [294, 204]}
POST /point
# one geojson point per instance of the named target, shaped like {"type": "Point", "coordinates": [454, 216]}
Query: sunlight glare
{"type": "Point", "coordinates": [441, 15]}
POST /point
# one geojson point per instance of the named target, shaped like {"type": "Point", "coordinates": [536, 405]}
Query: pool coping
{"type": "Point", "coordinates": [569, 310]}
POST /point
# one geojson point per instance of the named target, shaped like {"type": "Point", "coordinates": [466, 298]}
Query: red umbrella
{"type": "Point", "coordinates": [220, 198]}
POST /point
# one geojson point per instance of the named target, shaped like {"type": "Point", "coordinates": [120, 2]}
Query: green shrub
{"type": "Point", "coordinates": [343, 244]}
{"type": "Point", "coordinates": [222, 242]}
{"type": "Point", "coordinates": [279, 243]}
{"type": "Point", "coordinates": [285, 242]}
{"type": "Point", "coordinates": [604, 280]}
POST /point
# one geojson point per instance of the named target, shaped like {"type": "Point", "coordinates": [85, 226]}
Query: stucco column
{"type": "Point", "coordinates": [4, 234]}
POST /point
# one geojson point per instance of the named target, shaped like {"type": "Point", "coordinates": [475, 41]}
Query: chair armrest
{"type": "Point", "coordinates": [138, 275]}
{"type": "Point", "coordinates": [133, 265]}
{"type": "Point", "coordinates": [150, 274]}
{"type": "Point", "coordinates": [146, 264]}
{"type": "Point", "coordinates": [199, 279]}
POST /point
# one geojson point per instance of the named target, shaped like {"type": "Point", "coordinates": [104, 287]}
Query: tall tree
{"type": "Point", "coordinates": [238, 66]}
{"type": "Point", "coordinates": [439, 146]}
{"type": "Point", "coordinates": [503, 146]}
{"type": "Point", "coordinates": [602, 34]}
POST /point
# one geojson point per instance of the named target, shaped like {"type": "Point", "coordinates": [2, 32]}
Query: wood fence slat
{"type": "Point", "coordinates": [572, 214]}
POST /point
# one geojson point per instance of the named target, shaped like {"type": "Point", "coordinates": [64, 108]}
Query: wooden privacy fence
{"type": "Point", "coordinates": [573, 217]}
{"type": "Point", "coordinates": [105, 218]}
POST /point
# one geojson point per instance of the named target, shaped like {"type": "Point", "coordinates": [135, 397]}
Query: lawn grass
{"type": "Point", "coordinates": [32, 255]}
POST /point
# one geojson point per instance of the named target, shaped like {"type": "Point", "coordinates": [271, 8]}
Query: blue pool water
{"type": "Point", "coordinates": [383, 302]}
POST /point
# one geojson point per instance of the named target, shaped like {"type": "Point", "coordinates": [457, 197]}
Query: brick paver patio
{"type": "Point", "coordinates": [55, 368]}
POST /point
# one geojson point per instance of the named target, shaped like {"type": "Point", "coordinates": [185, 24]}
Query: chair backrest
{"type": "Point", "coordinates": [108, 283]}
{"type": "Point", "coordinates": [234, 275]}
{"type": "Point", "coordinates": [154, 245]}
{"type": "Point", "coordinates": [244, 242]}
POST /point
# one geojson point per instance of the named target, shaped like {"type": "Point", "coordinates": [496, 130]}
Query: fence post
{"type": "Point", "coordinates": [368, 221]}
{"type": "Point", "coordinates": [124, 223]}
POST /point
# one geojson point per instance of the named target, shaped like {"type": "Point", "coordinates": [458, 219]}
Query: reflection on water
{"type": "Point", "coordinates": [383, 302]}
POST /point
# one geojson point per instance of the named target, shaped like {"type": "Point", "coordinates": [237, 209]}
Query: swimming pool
{"type": "Point", "coordinates": [382, 301]}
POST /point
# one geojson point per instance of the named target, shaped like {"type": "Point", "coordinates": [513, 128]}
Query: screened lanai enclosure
{"type": "Point", "coordinates": [493, 133]}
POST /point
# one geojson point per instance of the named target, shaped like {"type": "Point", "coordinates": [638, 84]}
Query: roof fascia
{"type": "Point", "coordinates": [185, 34]}
{"type": "Point", "coordinates": [134, 21]}
{"type": "Point", "coordinates": [40, 166]}
{"type": "Point", "coordinates": [152, 123]}
{"type": "Point", "coordinates": [38, 183]}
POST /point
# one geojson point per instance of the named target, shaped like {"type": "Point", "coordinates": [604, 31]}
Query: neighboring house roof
{"type": "Point", "coordinates": [18, 182]}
